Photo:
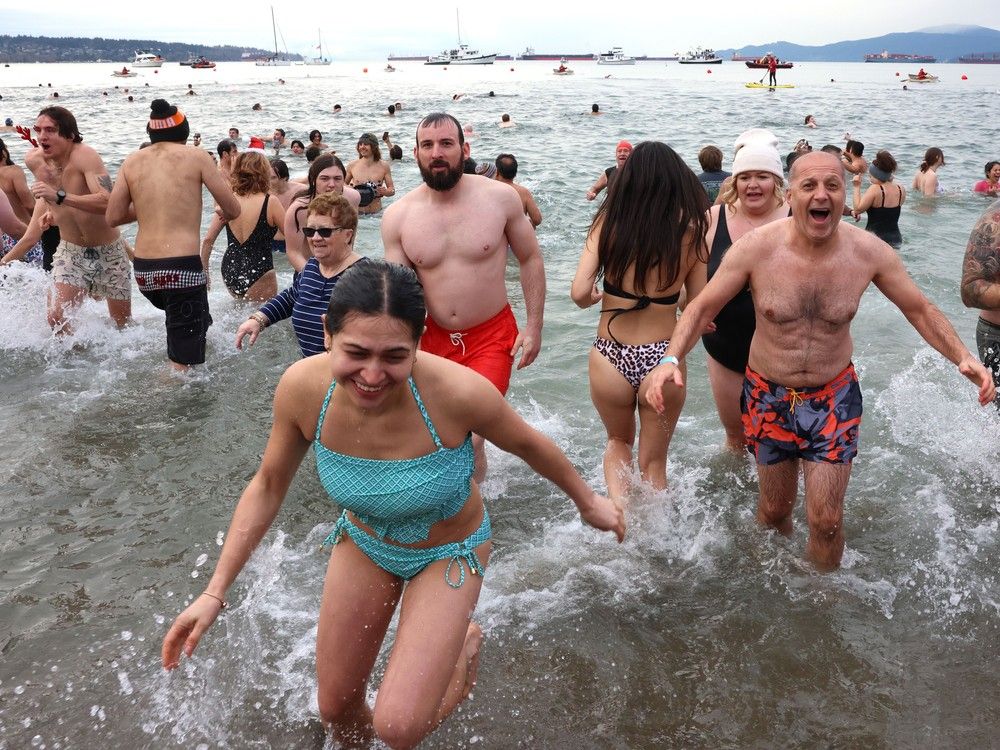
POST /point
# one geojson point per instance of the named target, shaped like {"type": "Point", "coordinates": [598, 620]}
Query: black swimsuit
{"type": "Point", "coordinates": [641, 303]}
{"type": "Point", "coordinates": [245, 263]}
{"type": "Point", "coordinates": [729, 344]}
{"type": "Point", "coordinates": [884, 222]}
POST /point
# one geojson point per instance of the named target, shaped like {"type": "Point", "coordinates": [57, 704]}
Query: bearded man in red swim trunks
{"type": "Point", "coordinates": [801, 397]}
{"type": "Point", "coordinates": [454, 231]}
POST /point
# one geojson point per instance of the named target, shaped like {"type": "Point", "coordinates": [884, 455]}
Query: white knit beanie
{"type": "Point", "coordinates": [756, 150]}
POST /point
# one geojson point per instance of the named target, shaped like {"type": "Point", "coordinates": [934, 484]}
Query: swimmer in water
{"type": "Point", "coordinates": [926, 180]}
{"type": "Point", "coordinates": [800, 379]}
{"type": "Point", "coordinates": [417, 414]}
{"type": "Point", "coordinates": [371, 170]}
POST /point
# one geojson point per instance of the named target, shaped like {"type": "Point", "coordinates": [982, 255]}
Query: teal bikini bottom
{"type": "Point", "coordinates": [406, 562]}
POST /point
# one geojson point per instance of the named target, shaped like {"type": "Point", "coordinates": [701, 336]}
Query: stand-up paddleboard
{"type": "Point", "coordinates": [756, 85]}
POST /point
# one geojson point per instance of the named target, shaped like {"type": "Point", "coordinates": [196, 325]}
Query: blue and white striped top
{"type": "Point", "coordinates": [304, 302]}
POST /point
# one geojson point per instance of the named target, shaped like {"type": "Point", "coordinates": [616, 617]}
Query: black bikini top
{"type": "Point", "coordinates": [641, 303]}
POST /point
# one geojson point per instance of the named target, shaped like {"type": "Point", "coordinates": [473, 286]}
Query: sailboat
{"type": "Point", "coordinates": [275, 61]}
{"type": "Point", "coordinates": [319, 60]}
{"type": "Point", "coordinates": [463, 55]}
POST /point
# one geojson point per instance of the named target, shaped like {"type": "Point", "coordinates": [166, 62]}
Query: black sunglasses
{"type": "Point", "coordinates": [323, 232]}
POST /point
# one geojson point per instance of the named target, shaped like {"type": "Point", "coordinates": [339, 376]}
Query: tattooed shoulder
{"type": "Point", "coordinates": [105, 182]}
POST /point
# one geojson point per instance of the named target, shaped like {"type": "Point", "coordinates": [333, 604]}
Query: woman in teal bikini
{"type": "Point", "coordinates": [390, 427]}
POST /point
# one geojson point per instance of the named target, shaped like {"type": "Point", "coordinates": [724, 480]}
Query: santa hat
{"type": "Point", "coordinates": [166, 123]}
{"type": "Point", "coordinates": [256, 144]}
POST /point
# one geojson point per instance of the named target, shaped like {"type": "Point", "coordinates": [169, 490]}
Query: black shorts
{"type": "Point", "coordinates": [50, 241]}
{"type": "Point", "coordinates": [188, 317]}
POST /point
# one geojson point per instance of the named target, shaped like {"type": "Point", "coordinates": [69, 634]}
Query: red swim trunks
{"type": "Point", "coordinates": [484, 348]}
{"type": "Point", "coordinates": [814, 424]}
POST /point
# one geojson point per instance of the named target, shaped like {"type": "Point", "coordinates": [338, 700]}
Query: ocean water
{"type": "Point", "coordinates": [701, 630]}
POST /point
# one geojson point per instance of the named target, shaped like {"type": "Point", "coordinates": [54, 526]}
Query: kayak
{"type": "Point", "coordinates": [756, 85]}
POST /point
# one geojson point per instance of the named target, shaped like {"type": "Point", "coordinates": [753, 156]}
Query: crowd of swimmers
{"type": "Point", "coordinates": [406, 361]}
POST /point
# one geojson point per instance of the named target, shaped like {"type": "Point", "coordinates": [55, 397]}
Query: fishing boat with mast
{"type": "Point", "coordinates": [463, 55]}
{"type": "Point", "coordinates": [277, 60]}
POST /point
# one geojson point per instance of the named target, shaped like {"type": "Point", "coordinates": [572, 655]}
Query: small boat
{"type": "Point", "coordinates": [762, 63]}
{"type": "Point", "coordinates": [916, 78]}
{"type": "Point", "coordinates": [320, 60]}
{"type": "Point", "coordinates": [701, 56]}
{"type": "Point", "coordinates": [145, 59]}
{"type": "Point", "coordinates": [389, 69]}
{"type": "Point", "coordinates": [124, 73]}
{"type": "Point", "coordinates": [203, 63]}
{"type": "Point", "coordinates": [615, 56]}
{"type": "Point", "coordinates": [463, 55]}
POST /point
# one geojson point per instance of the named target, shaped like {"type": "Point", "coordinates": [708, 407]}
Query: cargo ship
{"type": "Point", "coordinates": [895, 57]}
{"type": "Point", "coordinates": [983, 58]}
{"type": "Point", "coordinates": [530, 54]}
{"type": "Point", "coordinates": [407, 58]}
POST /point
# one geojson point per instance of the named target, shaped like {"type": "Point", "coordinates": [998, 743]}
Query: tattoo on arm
{"type": "Point", "coordinates": [105, 182]}
{"type": "Point", "coordinates": [981, 268]}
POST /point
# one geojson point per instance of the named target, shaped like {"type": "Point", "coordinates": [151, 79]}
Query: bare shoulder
{"type": "Point", "coordinates": [34, 158]}
{"type": "Point", "coordinates": [300, 392]}
{"type": "Point", "coordinates": [86, 158]}
{"type": "Point", "coordinates": [496, 192]}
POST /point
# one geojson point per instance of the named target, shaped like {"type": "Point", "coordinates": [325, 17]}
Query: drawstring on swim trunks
{"type": "Point", "coordinates": [794, 399]}
{"type": "Point", "coordinates": [457, 340]}
{"type": "Point", "coordinates": [471, 559]}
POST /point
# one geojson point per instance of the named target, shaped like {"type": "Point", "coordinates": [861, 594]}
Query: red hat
{"type": "Point", "coordinates": [256, 144]}
{"type": "Point", "coordinates": [623, 144]}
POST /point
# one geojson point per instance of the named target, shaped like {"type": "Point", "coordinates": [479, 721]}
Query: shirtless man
{"type": "Point", "coordinates": [160, 188]}
{"type": "Point", "coordinates": [981, 286]}
{"type": "Point", "coordinates": [622, 151]}
{"type": "Point", "coordinates": [227, 150]}
{"type": "Point", "coordinates": [506, 172]}
{"type": "Point", "coordinates": [802, 400]}
{"type": "Point", "coordinates": [71, 191]}
{"type": "Point", "coordinates": [14, 184]}
{"type": "Point", "coordinates": [454, 231]}
{"type": "Point", "coordinates": [369, 169]}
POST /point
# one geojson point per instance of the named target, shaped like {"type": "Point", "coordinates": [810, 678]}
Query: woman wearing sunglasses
{"type": "Point", "coordinates": [329, 229]}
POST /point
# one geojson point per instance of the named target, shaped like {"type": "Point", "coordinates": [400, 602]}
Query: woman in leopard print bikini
{"type": "Point", "coordinates": [647, 241]}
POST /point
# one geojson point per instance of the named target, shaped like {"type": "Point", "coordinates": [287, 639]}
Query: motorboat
{"type": "Point", "coordinates": [143, 59]}
{"type": "Point", "coordinates": [615, 56]}
{"type": "Point", "coordinates": [562, 70]}
{"type": "Point", "coordinates": [701, 56]}
{"type": "Point", "coordinates": [462, 56]}
{"type": "Point", "coordinates": [203, 64]}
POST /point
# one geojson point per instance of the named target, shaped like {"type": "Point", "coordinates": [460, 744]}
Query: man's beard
{"type": "Point", "coordinates": [440, 181]}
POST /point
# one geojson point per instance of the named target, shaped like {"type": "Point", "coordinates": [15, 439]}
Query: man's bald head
{"type": "Point", "coordinates": [813, 159]}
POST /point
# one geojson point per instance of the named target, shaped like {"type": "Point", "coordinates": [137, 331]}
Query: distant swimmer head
{"type": "Point", "coordinates": [933, 157]}
{"type": "Point", "coordinates": [392, 109]}
{"type": "Point", "coordinates": [167, 123]}
{"type": "Point", "coordinates": [8, 122]}
{"type": "Point", "coordinates": [595, 108]}
{"type": "Point", "coordinates": [396, 152]}
{"type": "Point", "coordinates": [298, 147]}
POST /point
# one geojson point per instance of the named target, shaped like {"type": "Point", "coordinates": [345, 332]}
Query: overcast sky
{"type": "Point", "coordinates": [371, 30]}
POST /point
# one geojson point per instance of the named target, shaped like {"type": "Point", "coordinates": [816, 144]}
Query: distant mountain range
{"type": "Point", "coordinates": [943, 42]}
{"type": "Point", "coordinates": [29, 49]}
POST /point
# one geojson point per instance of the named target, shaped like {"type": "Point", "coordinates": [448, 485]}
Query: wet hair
{"type": "Point", "coordinates": [377, 287]}
{"type": "Point", "coordinates": [236, 129]}
{"type": "Point", "coordinates": [931, 155]}
{"type": "Point", "coordinates": [710, 158]}
{"type": "Point", "coordinates": [653, 206]}
{"type": "Point", "coordinates": [806, 121]}
{"type": "Point", "coordinates": [336, 207]}
{"type": "Point", "coordinates": [280, 168]}
{"type": "Point", "coordinates": [594, 107]}
{"type": "Point", "coordinates": [314, 133]}
{"type": "Point", "coordinates": [832, 149]}
{"type": "Point", "coordinates": [279, 130]}
{"type": "Point", "coordinates": [372, 141]}
{"type": "Point", "coordinates": [396, 152]}
{"type": "Point", "coordinates": [857, 148]}
{"type": "Point", "coordinates": [790, 159]}
{"type": "Point", "coordinates": [313, 153]}
{"type": "Point", "coordinates": [989, 164]}
{"type": "Point", "coordinates": [251, 174]}
{"type": "Point", "coordinates": [336, 107]}
{"type": "Point", "coordinates": [319, 164]}
{"type": "Point", "coordinates": [883, 160]}
{"type": "Point", "coordinates": [435, 118]}
{"type": "Point", "coordinates": [65, 122]}
{"type": "Point", "coordinates": [507, 166]}
{"type": "Point", "coordinates": [504, 117]}
{"type": "Point", "coordinates": [300, 144]}
{"type": "Point", "coordinates": [224, 147]}
{"type": "Point", "coordinates": [392, 109]}
{"type": "Point", "coordinates": [469, 166]}
{"type": "Point", "coordinates": [5, 160]}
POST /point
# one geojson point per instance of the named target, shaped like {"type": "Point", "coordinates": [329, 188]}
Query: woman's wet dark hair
{"type": "Point", "coordinates": [319, 135]}
{"type": "Point", "coordinates": [931, 155]}
{"type": "Point", "coordinates": [377, 287]}
{"type": "Point", "coordinates": [884, 160]}
{"type": "Point", "coordinates": [653, 205]}
{"type": "Point", "coordinates": [989, 164]}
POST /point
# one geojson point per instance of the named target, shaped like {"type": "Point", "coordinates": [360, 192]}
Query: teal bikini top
{"type": "Point", "coordinates": [398, 498]}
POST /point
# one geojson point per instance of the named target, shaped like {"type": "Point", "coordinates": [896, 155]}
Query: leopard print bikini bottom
{"type": "Point", "coordinates": [633, 361]}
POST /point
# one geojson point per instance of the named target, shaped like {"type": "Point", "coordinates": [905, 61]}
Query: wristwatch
{"type": "Point", "coordinates": [60, 196]}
